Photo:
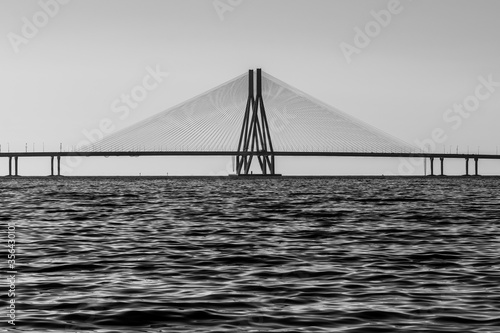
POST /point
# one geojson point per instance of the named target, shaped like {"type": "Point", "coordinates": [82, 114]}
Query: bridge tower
{"type": "Point", "coordinates": [255, 138]}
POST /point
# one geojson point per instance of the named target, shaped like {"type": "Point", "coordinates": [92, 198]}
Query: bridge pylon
{"type": "Point", "coordinates": [255, 138]}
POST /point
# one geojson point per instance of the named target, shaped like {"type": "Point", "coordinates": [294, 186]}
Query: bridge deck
{"type": "Point", "coordinates": [234, 153]}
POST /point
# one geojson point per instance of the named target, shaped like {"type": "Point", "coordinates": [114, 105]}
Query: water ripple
{"type": "Point", "coordinates": [274, 255]}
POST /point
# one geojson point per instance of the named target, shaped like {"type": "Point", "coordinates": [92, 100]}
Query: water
{"type": "Point", "coordinates": [270, 255]}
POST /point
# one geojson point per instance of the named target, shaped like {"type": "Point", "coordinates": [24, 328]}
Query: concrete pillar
{"type": "Point", "coordinates": [476, 161]}
{"type": "Point", "coordinates": [442, 165]}
{"type": "Point", "coordinates": [16, 166]}
{"type": "Point", "coordinates": [51, 165]}
{"type": "Point", "coordinates": [10, 165]}
{"type": "Point", "coordinates": [432, 166]}
{"type": "Point", "coordinates": [58, 165]}
{"type": "Point", "coordinates": [466, 166]}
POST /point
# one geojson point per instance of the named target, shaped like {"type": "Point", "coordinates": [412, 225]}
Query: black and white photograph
{"type": "Point", "coordinates": [250, 166]}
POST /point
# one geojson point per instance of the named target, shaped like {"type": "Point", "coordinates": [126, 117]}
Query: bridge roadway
{"type": "Point", "coordinates": [14, 156]}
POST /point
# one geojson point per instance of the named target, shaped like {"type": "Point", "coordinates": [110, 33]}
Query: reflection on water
{"type": "Point", "coordinates": [233, 255]}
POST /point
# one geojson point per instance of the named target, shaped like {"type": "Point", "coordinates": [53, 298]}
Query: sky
{"type": "Point", "coordinates": [424, 71]}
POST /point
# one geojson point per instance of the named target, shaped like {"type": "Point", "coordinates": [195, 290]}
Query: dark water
{"type": "Point", "coordinates": [273, 255]}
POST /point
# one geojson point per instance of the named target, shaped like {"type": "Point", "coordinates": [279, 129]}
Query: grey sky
{"type": "Point", "coordinates": [65, 79]}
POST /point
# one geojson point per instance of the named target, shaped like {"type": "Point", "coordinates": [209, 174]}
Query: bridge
{"type": "Point", "coordinates": [254, 118]}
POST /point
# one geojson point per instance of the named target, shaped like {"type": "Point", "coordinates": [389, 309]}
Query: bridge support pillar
{"type": "Point", "coordinates": [255, 137]}
{"type": "Point", "coordinates": [16, 165]}
{"type": "Point", "coordinates": [10, 165]}
{"type": "Point", "coordinates": [58, 165]}
{"type": "Point", "coordinates": [442, 165]}
{"type": "Point", "coordinates": [467, 166]}
{"type": "Point", "coordinates": [432, 166]}
{"type": "Point", "coordinates": [476, 162]}
{"type": "Point", "coordinates": [52, 165]}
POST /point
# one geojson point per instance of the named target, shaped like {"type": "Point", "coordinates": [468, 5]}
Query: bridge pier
{"type": "Point", "coordinates": [10, 165]}
{"type": "Point", "coordinates": [432, 166]}
{"type": "Point", "coordinates": [16, 165]}
{"type": "Point", "coordinates": [476, 162]}
{"type": "Point", "coordinates": [58, 165]}
{"type": "Point", "coordinates": [467, 166]}
{"type": "Point", "coordinates": [52, 165]}
{"type": "Point", "coordinates": [442, 165]}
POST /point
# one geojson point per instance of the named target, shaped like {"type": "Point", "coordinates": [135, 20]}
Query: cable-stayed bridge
{"type": "Point", "coordinates": [255, 119]}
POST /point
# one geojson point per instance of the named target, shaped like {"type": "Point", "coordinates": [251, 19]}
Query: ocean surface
{"type": "Point", "coordinates": [254, 255]}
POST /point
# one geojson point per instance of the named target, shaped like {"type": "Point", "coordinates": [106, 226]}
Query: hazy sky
{"type": "Point", "coordinates": [64, 69]}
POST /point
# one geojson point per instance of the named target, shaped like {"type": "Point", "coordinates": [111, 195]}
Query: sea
{"type": "Point", "coordinates": [226, 254]}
